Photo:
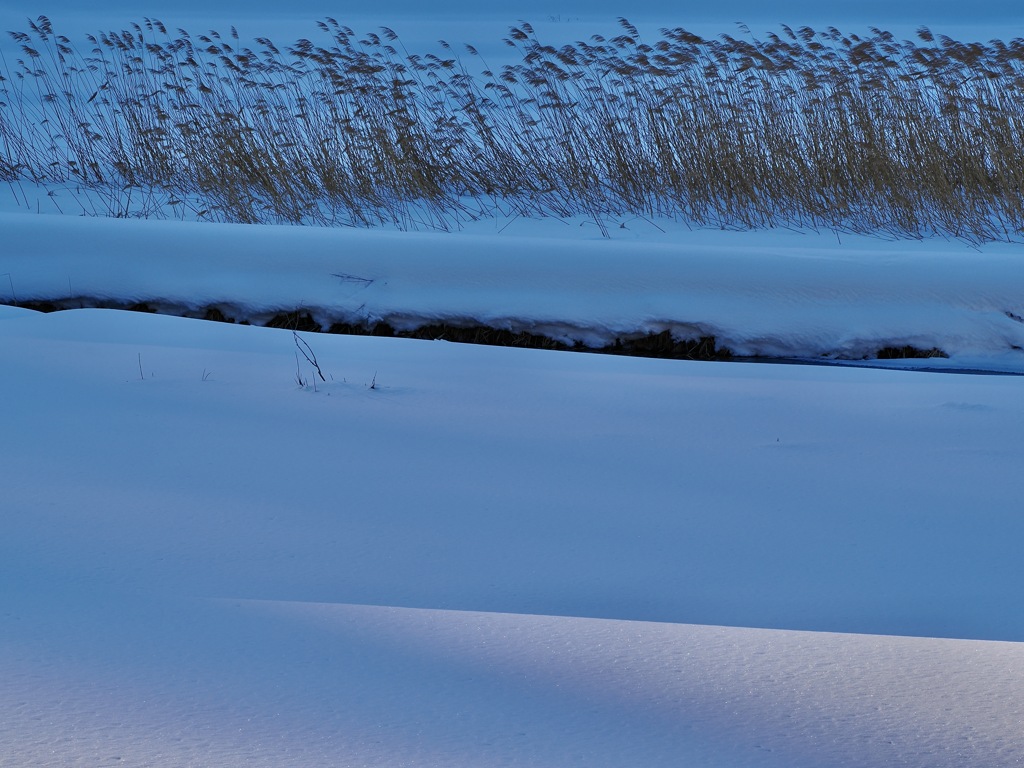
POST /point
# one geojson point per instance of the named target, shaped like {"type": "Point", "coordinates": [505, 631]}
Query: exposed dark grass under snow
{"type": "Point", "coordinates": [805, 129]}
{"type": "Point", "coordinates": [663, 344]}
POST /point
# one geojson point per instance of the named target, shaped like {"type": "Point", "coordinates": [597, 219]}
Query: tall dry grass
{"type": "Point", "coordinates": [802, 129]}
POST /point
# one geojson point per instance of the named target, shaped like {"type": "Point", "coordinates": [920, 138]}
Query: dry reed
{"type": "Point", "coordinates": [806, 129]}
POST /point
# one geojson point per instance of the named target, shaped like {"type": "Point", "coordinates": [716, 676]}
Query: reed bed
{"type": "Point", "coordinates": [801, 129]}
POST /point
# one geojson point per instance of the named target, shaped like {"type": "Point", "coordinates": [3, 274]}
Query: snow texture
{"type": "Point", "coordinates": [496, 556]}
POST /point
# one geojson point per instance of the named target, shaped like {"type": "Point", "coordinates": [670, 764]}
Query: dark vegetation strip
{"type": "Point", "coordinates": [656, 345]}
{"type": "Point", "coordinates": [805, 128]}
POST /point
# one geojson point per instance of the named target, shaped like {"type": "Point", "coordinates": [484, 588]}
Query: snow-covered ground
{"type": "Point", "coordinates": [448, 554]}
{"type": "Point", "coordinates": [797, 295]}
{"type": "Point", "coordinates": [497, 556]}
{"type": "Point", "coordinates": [456, 555]}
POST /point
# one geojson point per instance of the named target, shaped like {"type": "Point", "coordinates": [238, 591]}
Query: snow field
{"type": "Point", "coordinates": [502, 556]}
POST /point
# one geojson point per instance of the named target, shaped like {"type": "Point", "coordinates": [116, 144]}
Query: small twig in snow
{"type": "Point", "coordinates": [307, 353]}
{"type": "Point", "coordinates": [346, 278]}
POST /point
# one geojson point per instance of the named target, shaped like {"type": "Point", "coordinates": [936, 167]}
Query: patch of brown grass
{"type": "Point", "coordinates": [806, 128]}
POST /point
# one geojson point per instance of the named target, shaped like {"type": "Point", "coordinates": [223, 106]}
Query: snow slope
{"type": "Point", "coordinates": [343, 685]}
{"type": "Point", "coordinates": [496, 556]}
{"type": "Point", "coordinates": [782, 295]}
